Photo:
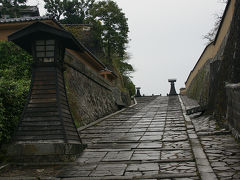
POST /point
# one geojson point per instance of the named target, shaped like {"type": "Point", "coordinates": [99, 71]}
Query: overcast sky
{"type": "Point", "coordinates": [166, 38]}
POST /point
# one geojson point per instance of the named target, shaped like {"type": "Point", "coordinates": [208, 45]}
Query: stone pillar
{"type": "Point", "coordinates": [172, 90]}
{"type": "Point", "coordinates": [138, 94]}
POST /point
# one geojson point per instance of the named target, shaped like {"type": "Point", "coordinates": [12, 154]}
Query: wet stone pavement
{"type": "Point", "coordinates": [147, 141]}
{"type": "Point", "coordinates": [222, 150]}
{"type": "Point", "coordinates": [152, 140]}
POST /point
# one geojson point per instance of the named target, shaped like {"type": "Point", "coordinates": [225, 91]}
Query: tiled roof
{"type": "Point", "coordinates": [24, 19]}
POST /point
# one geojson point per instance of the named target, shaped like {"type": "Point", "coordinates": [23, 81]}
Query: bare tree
{"type": "Point", "coordinates": [210, 36]}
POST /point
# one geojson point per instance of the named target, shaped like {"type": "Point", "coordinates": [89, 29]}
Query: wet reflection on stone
{"type": "Point", "coordinates": [147, 140]}
{"type": "Point", "coordinates": [109, 170]}
{"type": "Point", "coordinates": [146, 155]}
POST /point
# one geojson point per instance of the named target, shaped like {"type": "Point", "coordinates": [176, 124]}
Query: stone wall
{"type": "Point", "coordinates": [200, 80]}
{"type": "Point", "coordinates": [233, 108]}
{"type": "Point", "coordinates": [209, 84]}
{"type": "Point", "coordinates": [203, 86]}
{"type": "Point", "coordinates": [90, 96]}
{"type": "Point", "coordinates": [213, 48]}
{"type": "Point", "coordinates": [228, 70]}
{"type": "Point", "coordinates": [207, 87]}
{"type": "Point", "coordinates": [215, 73]}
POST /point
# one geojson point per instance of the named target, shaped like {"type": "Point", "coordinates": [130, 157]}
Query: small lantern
{"type": "Point", "coordinates": [45, 42]}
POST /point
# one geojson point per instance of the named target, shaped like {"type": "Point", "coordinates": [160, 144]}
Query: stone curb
{"type": "Point", "coordinates": [119, 142]}
{"type": "Point", "coordinates": [19, 178]}
{"type": "Point", "coordinates": [29, 178]}
{"type": "Point", "coordinates": [146, 161]}
{"type": "Point", "coordinates": [108, 162]}
{"type": "Point", "coordinates": [154, 176]}
{"type": "Point", "coordinates": [203, 165]}
{"type": "Point", "coordinates": [106, 117]}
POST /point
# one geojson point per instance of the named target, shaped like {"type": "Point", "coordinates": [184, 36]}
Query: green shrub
{"type": "Point", "coordinates": [15, 73]}
{"type": "Point", "coordinates": [128, 84]}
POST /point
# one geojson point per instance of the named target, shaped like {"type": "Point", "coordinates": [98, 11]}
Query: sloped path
{"type": "Point", "coordinates": [222, 150]}
{"type": "Point", "coordinates": [148, 141]}
{"type": "Point", "coordinates": [152, 140]}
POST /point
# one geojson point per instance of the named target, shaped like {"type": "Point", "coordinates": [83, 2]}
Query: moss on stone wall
{"type": "Point", "coordinates": [89, 95]}
{"type": "Point", "coordinates": [88, 100]}
{"type": "Point", "coordinates": [199, 87]}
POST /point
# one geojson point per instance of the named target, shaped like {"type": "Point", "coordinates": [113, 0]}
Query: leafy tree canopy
{"type": "Point", "coordinates": [70, 12]}
{"type": "Point", "coordinates": [54, 8]}
{"type": "Point", "coordinates": [125, 70]}
{"type": "Point", "coordinates": [128, 84]}
{"type": "Point", "coordinates": [12, 7]}
{"type": "Point", "coordinates": [76, 12]}
{"type": "Point", "coordinates": [108, 37]}
{"type": "Point", "coordinates": [122, 65]}
{"type": "Point", "coordinates": [109, 22]}
{"type": "Point", "coordinates": [112, 27]}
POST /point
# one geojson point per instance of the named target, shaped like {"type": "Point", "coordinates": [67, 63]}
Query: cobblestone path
{"type": "Point", "coordinates": [153, 140]}
{"type": "Point", "coordinates": [147, 141]}
{"type": "Point", "coordinates": [219, 145]}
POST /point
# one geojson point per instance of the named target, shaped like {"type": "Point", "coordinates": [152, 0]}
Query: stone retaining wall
{"type": "Point", "coordinates": [223, 67]}
{"type": "Point", "coordinates": [90, 96]}
{"type": "Point", "coordinates": [233, 108]}
{"type": "Point", "coordinates": [200, 80]}
{"type": "Point", "coordinates": [228, 70]}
